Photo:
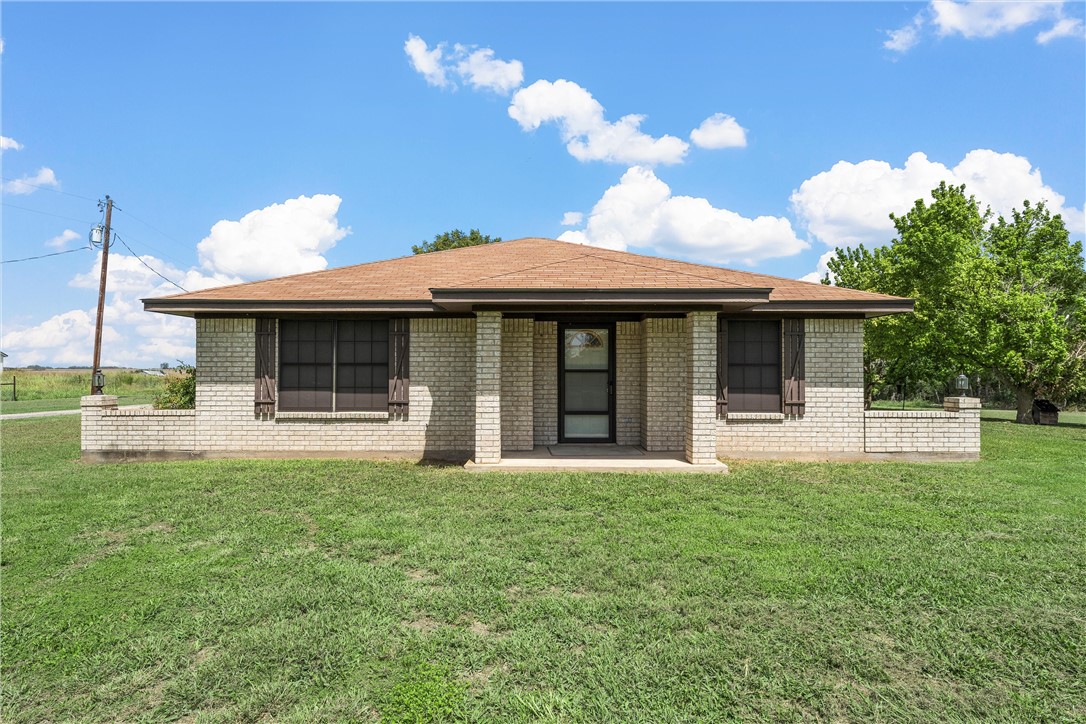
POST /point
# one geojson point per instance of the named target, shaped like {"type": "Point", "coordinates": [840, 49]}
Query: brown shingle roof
{"type": "Point", "coordinates": [523, 264]}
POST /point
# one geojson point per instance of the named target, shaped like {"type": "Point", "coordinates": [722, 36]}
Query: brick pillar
{"type": "Point", "coordinates": [488, 387]}
{"type": "Point", "coordinates": [701, 333]}
{"type": "Point", "coordinates": [91, 435]}
{"type": "Point", "coordinates": [968, 410]}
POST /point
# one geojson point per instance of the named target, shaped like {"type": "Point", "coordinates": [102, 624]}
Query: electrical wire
{"type": "Point", "coordinates": [46, 188]}
{"type": "Point", "coordinates": [157, 273]}
{"type": "Point", "coordinates": [42, 256]}
{"type": "Point", "coordinates": [45, 213]}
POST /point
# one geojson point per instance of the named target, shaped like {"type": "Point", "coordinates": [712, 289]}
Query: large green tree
{"type": "Point", "coordinates": [454, 239]}
{"type": "Point", "coordinates": [1004, 299]}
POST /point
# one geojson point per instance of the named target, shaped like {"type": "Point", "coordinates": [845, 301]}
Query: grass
{"type": "Point", "coordinates": [346, 590]}
{"type": "Point", "coordinates": [47, 390]}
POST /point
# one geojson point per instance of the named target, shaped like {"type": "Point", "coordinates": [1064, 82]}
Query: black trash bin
{"type": "Point", "coordinates": [1045, 413]}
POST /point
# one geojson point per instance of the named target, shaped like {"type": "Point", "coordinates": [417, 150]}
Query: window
{"type": "Point", "coordinates": [330, 366]}
{"type": "Point", "coordinates": [754, 366]}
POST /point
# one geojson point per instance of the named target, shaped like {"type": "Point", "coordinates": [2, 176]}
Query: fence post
{"type": "Point", "coordinates": [14, 390]}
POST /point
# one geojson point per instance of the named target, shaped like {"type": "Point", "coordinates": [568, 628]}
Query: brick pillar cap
{"type": "Point", "coordinates": [98, 401]}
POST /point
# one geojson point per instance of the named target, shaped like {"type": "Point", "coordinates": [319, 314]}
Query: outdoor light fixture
{"type": "Point", "coordinates": [98, 380]}
{"type": "Point", "coordinates": [962, 383]}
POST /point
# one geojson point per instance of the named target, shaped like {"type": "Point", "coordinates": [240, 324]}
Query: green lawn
{"type": "Point", "coordinates": [345, 590]}
{"type": "Point", "coordinates": [9, 407]}
{"type": "Point", "coordinates": [47, 390]}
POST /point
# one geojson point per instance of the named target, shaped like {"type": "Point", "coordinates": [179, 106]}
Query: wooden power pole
{"type": "Point", "coordinates": [96, 389]}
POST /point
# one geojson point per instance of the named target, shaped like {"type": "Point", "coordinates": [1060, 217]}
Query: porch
{"type": "Point", "coordinates": [599, 458]}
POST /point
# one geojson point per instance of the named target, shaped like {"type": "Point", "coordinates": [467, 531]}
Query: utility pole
{"type": "Point", "coordinates": [96, 379]}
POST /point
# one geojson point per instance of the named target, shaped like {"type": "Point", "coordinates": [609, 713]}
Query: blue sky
{"type": "Point", "coordinates": [250, 140]}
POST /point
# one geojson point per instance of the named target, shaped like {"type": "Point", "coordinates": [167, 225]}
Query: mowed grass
{"type": "Point", "coordinates": [46, 390]}
{"type": "Point", "coordinates": [347, 590]}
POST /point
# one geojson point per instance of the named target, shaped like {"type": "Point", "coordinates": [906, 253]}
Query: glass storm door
{"type": "Point", "coordinates": [586, 383]}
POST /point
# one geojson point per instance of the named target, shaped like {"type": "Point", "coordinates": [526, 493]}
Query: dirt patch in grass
{"type": "Point", "coordinates": [424, 624]}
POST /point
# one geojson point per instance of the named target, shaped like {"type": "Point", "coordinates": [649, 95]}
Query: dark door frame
{"type": "Point", "coordinates": [609, 325]}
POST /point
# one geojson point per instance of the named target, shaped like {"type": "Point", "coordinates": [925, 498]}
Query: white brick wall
{"type": "Point", "coordinates": [518, 424]}
{"type": "Point", "coordinates": [628, 378]}
{"type": "Point", "coordinates": [953, 431]}
{"type": "Point", "coordinates": [488, 387]}
{"type": "Point", "coordinates": [653, 364]}
{"type": "Point", "coordinates": [663, 354]}
{"type": "Point", "coordinates": [545, 383]}
{"type": "Point", "coordinates": [833, 420]}
{"type": "Point", "coordinates": [700, 439]}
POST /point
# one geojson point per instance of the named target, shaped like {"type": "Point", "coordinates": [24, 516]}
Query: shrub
{"type": "Point", "coordinates": [180, 391]}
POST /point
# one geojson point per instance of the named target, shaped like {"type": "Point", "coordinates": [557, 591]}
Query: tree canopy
{"type": "Point", "coordinates": [1004, 299]}
{"type": "Point", "coordinates": [454, 239]}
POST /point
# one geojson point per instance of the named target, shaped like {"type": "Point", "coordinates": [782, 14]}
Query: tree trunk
{"type": "Point", "coordinates": [1024, 396]}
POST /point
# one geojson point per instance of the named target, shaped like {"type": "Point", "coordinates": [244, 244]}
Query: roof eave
{"type": "Point", "coordinates": [460, 299]}
{"type": "Point", "coordinates": [868, 308]}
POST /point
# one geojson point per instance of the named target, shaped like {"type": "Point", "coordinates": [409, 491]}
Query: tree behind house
{"type": "Point", "coordinates": [454, 239]}
{"type": "Point", "coordinates": [1004, 299]}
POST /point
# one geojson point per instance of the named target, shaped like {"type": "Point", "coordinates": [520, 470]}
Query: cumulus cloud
{"type": "Point", "coordinates": [63, 339]}
{"type": "Point", "coordinates": [426, 61]}
{"type": "Point", "coordinates": [480, 69]}
{"type": "Point", "coordinates": [851, 203]}
{"type": "Point", "coordinates": [474, 66]}
{"type": "Point", "coordinates": [1064, 28]}
{"type": "Point", "coordinates": [62, 239]}
{"type": "Point", "coordinates": [719, 131]}
{"type": "Point", "coordinates": [286, 238]}
{"type": "Point", "coordinates": [572, 218]}
{"type": "Point", "coordinates": [985, 19]}
{"type": "Point", "coordinates": [280, 239]}
{"type": "Point", "coordinates": [821, 269]}
{"type": "Point", "coordinates": [9, 144]}
{"type": "Point", "coordinates": [588, 135]}
{"type": "Point", "coordinates": [640, 211]}
{"type": "Point", "coordinates": [905, 37]}
{"type": "Point", "coordinates": [44, 178]}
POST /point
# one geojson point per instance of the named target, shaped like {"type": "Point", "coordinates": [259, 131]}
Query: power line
{"type": "Point", "coordinates": [42, 256]}
{"type": "Point", "coordinates": [46, 188]}
{"type": "Point", "coordinates": [46, 213]}
{"type": "Point", "coordinates": [157, 273]}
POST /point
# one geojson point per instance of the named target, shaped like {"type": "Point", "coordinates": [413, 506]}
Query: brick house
{"type": "Point", "coordinates": [500, 349]}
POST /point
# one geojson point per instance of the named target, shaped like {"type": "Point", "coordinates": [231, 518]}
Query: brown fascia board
{"type": "Point", "coordinates": [468, 299]}
{"type": "Point", "coordinates": [868, 308]}
{"type": "Point", "coordinates": [192, 307]}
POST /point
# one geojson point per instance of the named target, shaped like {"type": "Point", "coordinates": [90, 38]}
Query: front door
{"type": "Point", "coordinates": [586, 384]}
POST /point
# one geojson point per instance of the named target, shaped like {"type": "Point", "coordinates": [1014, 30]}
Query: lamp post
{"type": "Point", "coordinates": [962, 383]}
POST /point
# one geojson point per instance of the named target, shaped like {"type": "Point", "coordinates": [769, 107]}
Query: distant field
{"type": "Point", "coordinates": [41, 390]}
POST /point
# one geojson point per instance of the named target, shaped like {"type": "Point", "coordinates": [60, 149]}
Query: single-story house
{"type": "Point", "coordinates": [500, 349]}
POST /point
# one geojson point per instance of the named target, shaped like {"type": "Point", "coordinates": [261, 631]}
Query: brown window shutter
{"type": "Point", "coordinates": [795, 385]}
{"type": "Point", "coordinates": [399, 365]}
{"type": "Point", "coordinates": [721, 366]}
{"type": "Point", "coordinates": [264, 387]}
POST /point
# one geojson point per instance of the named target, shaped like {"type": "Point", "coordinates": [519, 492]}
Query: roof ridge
{"type": "Point", "coordinates": [657, 268]}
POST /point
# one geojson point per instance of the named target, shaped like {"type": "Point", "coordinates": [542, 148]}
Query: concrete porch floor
{"type": "Point", "coordinates": [603, 458]}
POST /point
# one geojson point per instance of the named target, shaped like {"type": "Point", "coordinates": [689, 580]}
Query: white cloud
{"type": "Point", "coordinates": [425, 61]}
{"type": "Point", "coordinates": [821, 270]}
{"type": "Point", "coordinates": [906, 36]}
{"type": "Point", "coordinates": [61, 240]}
{"type": "Point", "coordinates": [483, 71]}
{"type": "Point", "coordinates": [63, 339]}
{"type": "Point", "coordinates": [986, 19]}
{"type": "Point", "coordinates": [588, 135]}
{"type": "Point", "coordinates": [719, 131]}
{"type": "Point", "coordinates": [475, 66]}
{"type": "Point", "coordinates": [29, 184]}
{"type": "Point", "coordinates": [286, 238]}
{"type": "Point", "coordinates": [851, 203]}
{"type": "Point", "coordinates": [1064, 28]}
{"type": "Point", "coordinates": [640, 211]}
{"type": "Point", "coordinates": [9, 144]}
{"type": "Point", "coordinates": [572, 218]}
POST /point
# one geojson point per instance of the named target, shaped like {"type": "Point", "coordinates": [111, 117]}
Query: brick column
{"type": "Point", "coordinates": [968, 410]}
{"type": "Point", "coordinates": [91, 434]}
{"type": "Point", "coordinates": [488, 388]}
{"type": "Point", "coordinates": [701, 333]}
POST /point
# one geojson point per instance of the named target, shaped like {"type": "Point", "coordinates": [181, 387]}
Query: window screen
{"type": "Point", "coordinates": [356, 350]}
{"type": "Point", "coordinates": [754, 366]}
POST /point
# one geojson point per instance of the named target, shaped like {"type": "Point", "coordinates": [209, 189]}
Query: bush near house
{"type": "Point", "coordinates": [180, 390]}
